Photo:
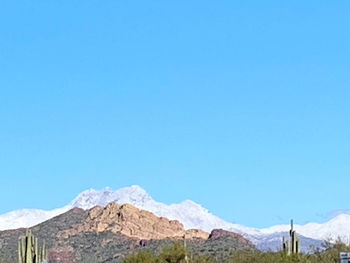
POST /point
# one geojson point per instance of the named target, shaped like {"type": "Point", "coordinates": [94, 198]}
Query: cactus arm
{"type": "Point", "coordinates": [29, 250]}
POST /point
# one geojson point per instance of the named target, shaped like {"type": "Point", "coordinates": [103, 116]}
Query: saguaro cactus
{"type": "Point", "coordinates": [29, 251]}
{"type": "Point", "coordinates": [292, 246]}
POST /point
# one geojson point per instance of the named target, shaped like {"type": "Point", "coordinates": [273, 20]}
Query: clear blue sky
{"type": "Point", "coordinates": [241, 106]}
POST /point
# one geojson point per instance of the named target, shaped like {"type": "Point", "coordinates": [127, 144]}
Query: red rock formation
{"type": "Point", "coordinates": [132, 222]}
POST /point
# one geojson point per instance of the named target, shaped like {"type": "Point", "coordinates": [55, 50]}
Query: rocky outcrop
{"type": "Point", "coordinates": [196, 234]}
{"type": "Point", "coordinates": [132, 222]}
{"type": "Point", "coordinates": [220, 233]}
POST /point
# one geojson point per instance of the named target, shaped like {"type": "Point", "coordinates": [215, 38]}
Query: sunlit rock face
{"type": "Point", "coordinates": [132, 222]}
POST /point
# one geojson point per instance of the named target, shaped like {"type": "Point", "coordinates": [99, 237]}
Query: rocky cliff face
{"type": "Point", "coordinates": [132, 222]}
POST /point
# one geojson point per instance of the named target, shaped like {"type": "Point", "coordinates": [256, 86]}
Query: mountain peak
{"type": "Point", "coordinates": [133, 195]}
{"type": "Point", "coordinates": [135, 191]}
{"type": "Point", "coordinates": [341, 217]}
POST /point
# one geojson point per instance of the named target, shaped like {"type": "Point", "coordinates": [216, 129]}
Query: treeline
{"type": "Point", "coordinates": [177, 254]}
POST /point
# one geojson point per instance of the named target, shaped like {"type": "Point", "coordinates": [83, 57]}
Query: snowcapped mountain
{"type": "Point", "coordinates": [338, 227]}
{"type": "Point", "coordinates": [191, 214]}
{"type": "Point", "coordinates": [273, 242]}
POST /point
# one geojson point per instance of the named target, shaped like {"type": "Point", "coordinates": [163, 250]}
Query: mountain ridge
{"type": "Point", "coordinates": [189, 213]}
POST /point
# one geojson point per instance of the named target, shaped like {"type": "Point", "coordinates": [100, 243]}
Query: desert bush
{"type": "Point", "coordinates": [141, 257]}
{"type": "Point", "coordinates": [175, 253]}
{"type": "Point", "coordinates": [330, 255]}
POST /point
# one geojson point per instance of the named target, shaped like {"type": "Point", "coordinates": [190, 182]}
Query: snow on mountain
{"type": "Point", "coordinates": [191, 214]}
{"type": "Point", "coordinates": [338, 227]}
{"type": "Point", "coordinates": [28, 217]}
{"type": "Point", "coordinates": [134, 195]}
{"type": "Point", "coordinates": [273, 242]}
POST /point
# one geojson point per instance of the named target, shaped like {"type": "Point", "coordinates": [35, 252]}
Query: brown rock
{"type": "Point", "coordinates": [219, 233]}
{"type": "Point", "coordinates": [132, 222]}
{"type": "Point", "coordinates": [196, 234]}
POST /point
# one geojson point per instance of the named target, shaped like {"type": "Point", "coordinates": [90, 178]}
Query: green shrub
{"type": "Point", "coordinates": [141, 257]}
{"type": "Point", "coordinates": [173, 254]}
{"type": "Point", "coordinates": [176, 253]}
{"type": "Point", "coordinates": [330, 255]}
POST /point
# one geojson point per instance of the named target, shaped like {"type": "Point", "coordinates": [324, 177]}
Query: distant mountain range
{"type": "Point", "coordinates": [190, 214]}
